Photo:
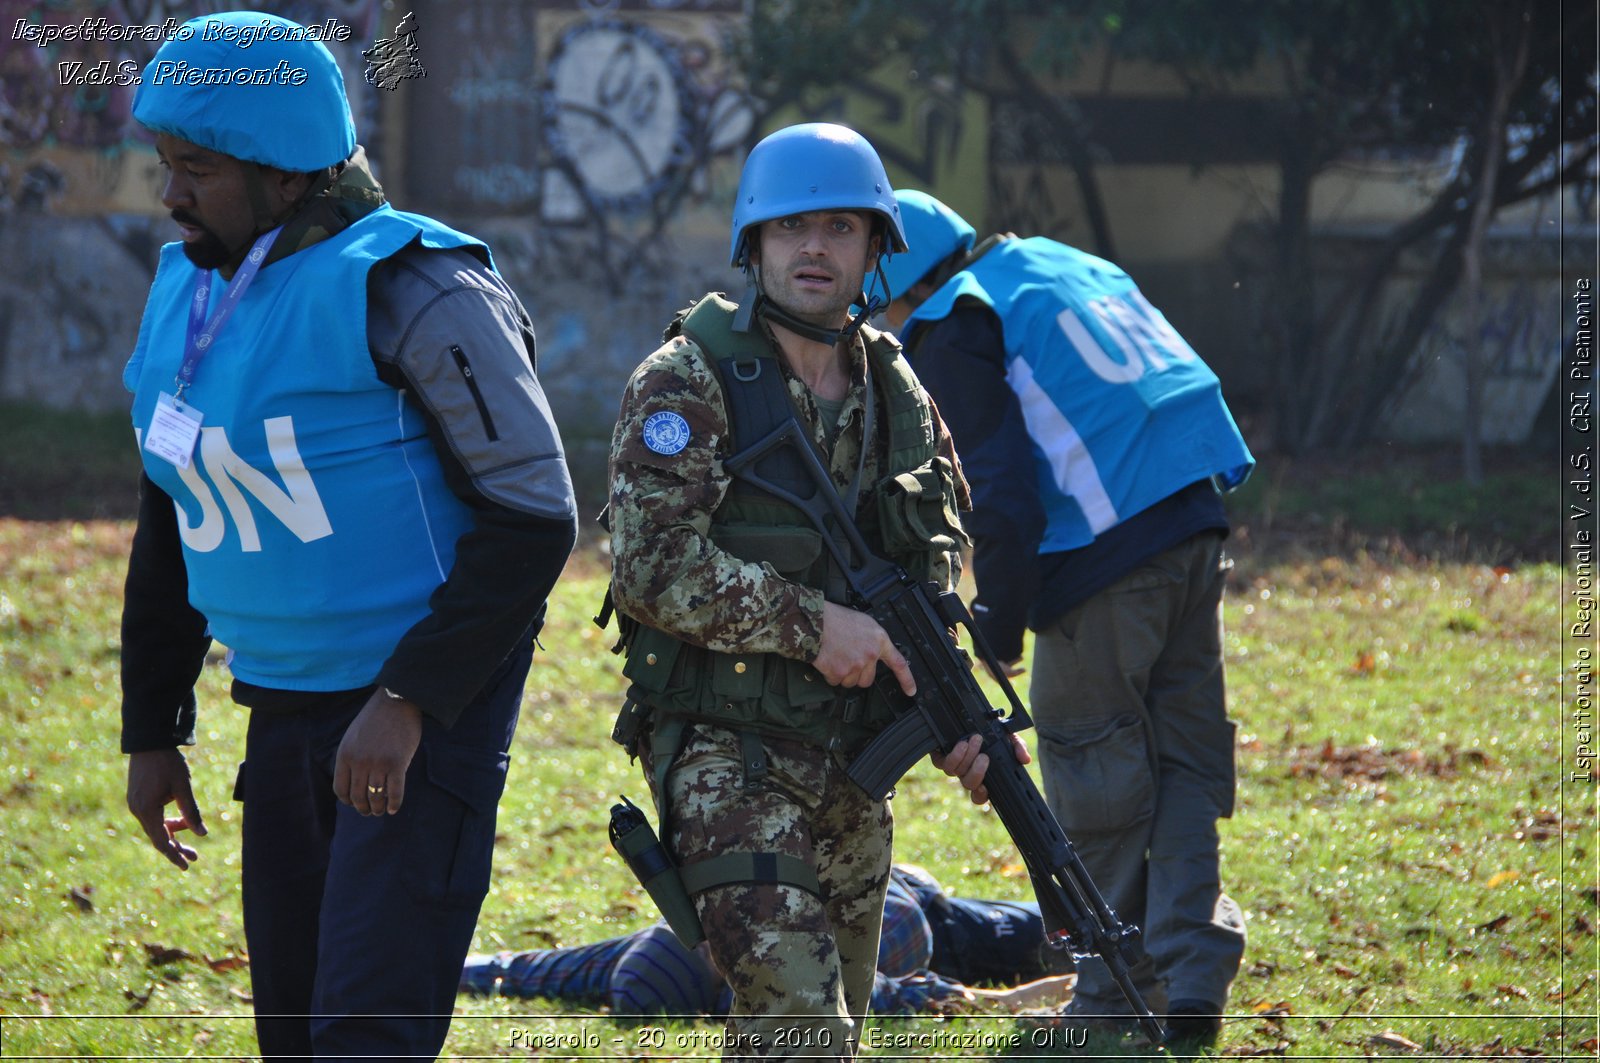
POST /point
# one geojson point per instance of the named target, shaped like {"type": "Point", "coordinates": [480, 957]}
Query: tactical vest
{"type": "Point", "coordinates": [909, 515]}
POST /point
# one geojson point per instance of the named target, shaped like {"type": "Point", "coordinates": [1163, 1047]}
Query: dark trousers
{"type": "Point", "coordinates": [358, 926]}
{"type": "Point", "coordinates": [1137, 755]}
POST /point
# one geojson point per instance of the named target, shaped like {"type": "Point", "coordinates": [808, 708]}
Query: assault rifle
{"type": "Point", "coordinates": [948, 707]}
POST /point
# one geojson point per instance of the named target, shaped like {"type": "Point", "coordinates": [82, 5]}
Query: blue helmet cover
{"type": "Point", "coordinates": [934, 231]}
{"type": "Point", "coordinates": [813, 166]}
{"type": "Point", "coordinates": [252, 86]}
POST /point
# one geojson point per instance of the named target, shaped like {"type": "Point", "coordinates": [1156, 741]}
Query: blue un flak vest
{"type": "Point", "coordinates": [1121, 411]}
{"type": "Point", "coordinates": [314, 514]}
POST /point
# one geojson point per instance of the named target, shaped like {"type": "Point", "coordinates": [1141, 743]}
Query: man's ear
{"type": "Point", "coordinates": [286, 185]}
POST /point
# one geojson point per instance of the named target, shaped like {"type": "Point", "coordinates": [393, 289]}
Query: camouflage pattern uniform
{"type": "Point", "coordinates": [801, 967]}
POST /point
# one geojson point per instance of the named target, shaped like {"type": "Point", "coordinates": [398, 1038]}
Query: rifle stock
{"type": "Point", "coordinates": [950, 706]}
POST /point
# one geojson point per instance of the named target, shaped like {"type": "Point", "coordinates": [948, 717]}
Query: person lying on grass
{"type": "Point", "coordinates": [936, 951]}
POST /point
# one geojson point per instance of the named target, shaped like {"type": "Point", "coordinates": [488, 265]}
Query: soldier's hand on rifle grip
{"type": "Point", "coordinates": [967, 762]}
{"type": "Point", "coordinates": [852, 645]}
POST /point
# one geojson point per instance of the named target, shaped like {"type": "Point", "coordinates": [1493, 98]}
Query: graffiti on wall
{"type": "Point", "coordinates": [609, 128]}
{"type": "Point", "coordinates": [1520, 342]}
{"type": "Point", "coordinates": [633, 121]}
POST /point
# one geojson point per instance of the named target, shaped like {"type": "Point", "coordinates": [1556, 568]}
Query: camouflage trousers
{"type": "Point", "coordinates": [800, 966]}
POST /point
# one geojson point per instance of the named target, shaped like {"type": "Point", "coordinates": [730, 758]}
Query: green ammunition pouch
{"type": "Point", "coordinates": [917, 509]}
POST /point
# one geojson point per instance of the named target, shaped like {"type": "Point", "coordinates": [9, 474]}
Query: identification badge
{"type": "Point", "coordinates": [174, 430]}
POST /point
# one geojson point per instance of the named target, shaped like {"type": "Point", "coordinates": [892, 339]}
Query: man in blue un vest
{"type": "Point", "coordinates": [1096, 442]}
{"type": "Point", "coordinates": [353, 481]}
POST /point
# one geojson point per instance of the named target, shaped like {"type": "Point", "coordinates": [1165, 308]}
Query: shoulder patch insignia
{"type": "Point", "coordinates": [666, 432]}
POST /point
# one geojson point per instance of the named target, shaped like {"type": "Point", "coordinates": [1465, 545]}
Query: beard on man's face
{"type": "Point", "coordinates": [208, 252]}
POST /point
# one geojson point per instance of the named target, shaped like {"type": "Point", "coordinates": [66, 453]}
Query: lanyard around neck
{"type": "Point", "coordinates": [202, 334]}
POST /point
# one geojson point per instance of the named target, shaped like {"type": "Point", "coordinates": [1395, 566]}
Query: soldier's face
{"type": "Point", "coordinates": [813, 264]}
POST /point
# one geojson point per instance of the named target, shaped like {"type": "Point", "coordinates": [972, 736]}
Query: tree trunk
{"type": "Point", "coordinates": [1297, 354]}
{"type": "Point", "coordinates": [1075, 137]}
{"type": "Point", "coordinates": [1510, 43]}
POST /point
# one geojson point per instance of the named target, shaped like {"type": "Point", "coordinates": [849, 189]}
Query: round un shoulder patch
{"type": "Point", "coordinates": [666, 432]}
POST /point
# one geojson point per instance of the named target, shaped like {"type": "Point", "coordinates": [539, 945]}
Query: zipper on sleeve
{"type": "Point", "coordinates": [477, 396]}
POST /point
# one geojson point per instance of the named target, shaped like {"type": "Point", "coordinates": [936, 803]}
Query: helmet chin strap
{"type": "Point", "coordinates": [757, 302]}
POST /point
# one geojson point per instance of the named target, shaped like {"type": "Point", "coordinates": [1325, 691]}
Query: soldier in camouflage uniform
{"type": "Point", "coordinates": [756, 685]}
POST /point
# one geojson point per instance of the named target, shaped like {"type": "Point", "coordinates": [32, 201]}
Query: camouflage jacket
{"type": "Point", "coordinates": [666, 571]}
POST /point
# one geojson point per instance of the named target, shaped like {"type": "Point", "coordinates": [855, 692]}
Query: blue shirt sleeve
{"type": "Point", "coordinates": [577, 974]}
{"type": "Point", "coordinates": [961, 360]}
{"type": "Point", "coordinates": [912, 993]}
{"type": "Point", "coordinates": [657, 975]}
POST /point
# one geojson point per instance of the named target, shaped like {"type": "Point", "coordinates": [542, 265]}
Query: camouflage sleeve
{"type": "Point", "coordinates": [666, 481]}
{"type": "Point", "coordinates": [945, 447]}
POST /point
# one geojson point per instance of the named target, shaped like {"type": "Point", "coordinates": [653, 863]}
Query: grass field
{"type": "Point", "coordinates": [1420, 880]}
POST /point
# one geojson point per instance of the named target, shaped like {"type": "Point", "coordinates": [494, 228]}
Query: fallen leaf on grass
{"type": "Point", "coordinates": [240, 994]}
{"type": "Point", "coordinates": [1344, 972]}
{"type": "Point", "coordinates": [1500, 878]}
{"type": "Point", "coordinates": [1513, 990]}
{"type": "Point", "coordinates": [41, 1001]}
{"type": "Point", "coordinates": [1371, 762]}
{"type": "Point", "coordinates": [1497, 923]}
{"type": "Point", "coordinates": [1559, 993]}
{"type": "Point", "coordinates": [1390, 1039]}
{"type": "Point", "coordinates": [140, 999]}
{"type": "Point", "coordinates": [1264, 1010]}
{"type": "Point", "coordinates": [1365, 664]}
{"type": "Point", "coordinates": [82, 897]}
{"type": "Point", "coordinates": [227, 963]}
{"type": "Point", "coordinates": [161, 955]}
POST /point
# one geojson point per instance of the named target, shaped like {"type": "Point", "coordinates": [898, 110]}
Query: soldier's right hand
{"type": "Point", "coordinates": [852, 645]}
{"type": "Point", "coordinates": [155, 779]}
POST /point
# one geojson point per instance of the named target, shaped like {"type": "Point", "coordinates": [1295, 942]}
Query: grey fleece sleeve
{"type": "Point", "coordinates": [464, 346]}
{"type": "Point", "coordinates": [447, 330]}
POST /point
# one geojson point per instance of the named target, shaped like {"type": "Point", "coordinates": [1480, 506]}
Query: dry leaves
{"type": "Point", "coordinates": [1371, 762]}
{"type": "Point", "coordinates": [1390, 1039]}
{"type": "Point", "coordinates": [161, 955]}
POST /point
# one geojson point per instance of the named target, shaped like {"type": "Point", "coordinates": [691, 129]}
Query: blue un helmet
{"type": "Point", "coordinates": [814, 166]}
{"type": "Point", "coordinates": [934, 231]}
{"type": "Point", "coordinates": [266, 94]}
